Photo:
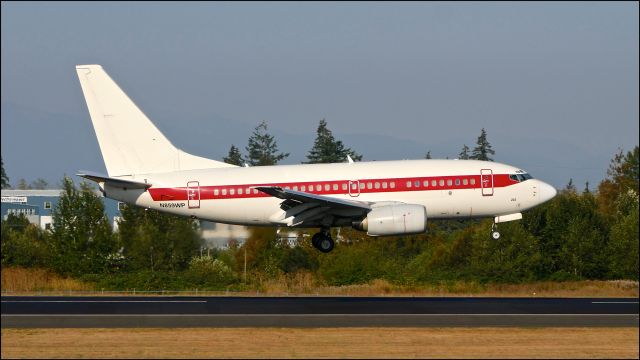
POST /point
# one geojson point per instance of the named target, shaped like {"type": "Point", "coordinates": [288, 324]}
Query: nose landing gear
{"type": "Point", "coordinates": [495, 234]}
{"type": "Point", "coordinates": [323, 241]}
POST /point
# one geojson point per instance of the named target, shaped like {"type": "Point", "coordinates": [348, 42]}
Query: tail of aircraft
{"type": "Point", "coordinates": [129, 142]}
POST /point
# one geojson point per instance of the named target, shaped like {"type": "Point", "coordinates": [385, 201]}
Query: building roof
{"type": "Point", "coordinates": [48, 192]}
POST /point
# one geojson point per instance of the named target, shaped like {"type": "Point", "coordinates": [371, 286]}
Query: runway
{"type": "Point", "coordinates": [176, 311]}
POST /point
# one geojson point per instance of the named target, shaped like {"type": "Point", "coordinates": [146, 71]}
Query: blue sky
{"type": "Point", "coordinates": [554, 84]}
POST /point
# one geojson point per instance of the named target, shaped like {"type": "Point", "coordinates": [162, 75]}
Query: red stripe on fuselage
{"type": "Point", "coordinates": [400, 184]}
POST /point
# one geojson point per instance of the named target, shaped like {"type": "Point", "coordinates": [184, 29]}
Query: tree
{"type": "Point", "coordinates": [428, 156]}
{"type": "Point", "coordinates": [81, 239]}
{"type": "Point", "coordinates": [464, 154]}
{"type": "Point", "coordinates": [234, 157]}
{"type": "Point", "coordinates": [157, 241]}
{"type": "Point", "coordinates": [39, 184]}
{"type": "Point", "coordinates": [623, 238]}
{"type": "Point", "coordinates": [328, 150]}
{"type": "Point", "coordinates": [570, 187]}
{"type": "Point", "coordinates": [482, 151]}
{"type": "Point", "coordinates": [23, 243]}
{"type": "Point", "coordinates": [4, 178]}
{"type": "Point", "coordinates": [262, 148]}
{"type": "Point", "coordinates": [622, 176]}
{"type": "Point", "coordinates": [23, 185]}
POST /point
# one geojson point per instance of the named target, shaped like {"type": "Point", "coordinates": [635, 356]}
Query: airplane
{"type": "Point", "coordinates": [383, 198]}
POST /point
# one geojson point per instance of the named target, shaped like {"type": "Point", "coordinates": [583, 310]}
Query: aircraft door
{"type": "Point", "coordinates": [354, 188]}
{"type": "Point", "coordinates": [486, 182]}
{"type": "Point", "coordinates": [193, 194]}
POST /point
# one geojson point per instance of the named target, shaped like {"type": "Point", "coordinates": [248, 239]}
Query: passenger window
{"type": "Point", "coordinates": [303, 188]}
{"type": "Point", "coordinates": [417, 183]}
{"type": "Point", "coordinates": [286, 187]}
{"type": "Point", "coordinates": [295, 188]}
{"type": "Point", "coordinates": [425, 183]}
{"type": "Point", "coordinates": [224, 191]}
{"type": "Point", "coordinates": [449, 182]}
{"type": "Point", "coordinates": [465, 182]}
{"type": "Point", "coordinates": [232, 191]}
{"type": "Point", "coordinates": [327, 187]}
{"type": "Point", "coordinates": [376, 185]}
{"type": "Point", "coordinates": [441, 182]}
{"type": "Point", "coordinates": [344, 186]}
{"type": "Point", "coordinates": [457, 182]}
{"type": "Point", "coordinates": [392, 184]}
{"type": "Point", "coordinates": [335, 187]}
{"type": "Point", "coordinates": [354, 186]}
{"type": "Point", "coordinates": [369, 186]}
{"type": "Point", "coordinates": [409, 183]}
{"type": "Point", "coordinates": [216, 192]}
{"type": "Point", "coordinates": [240, 191]}
{"type": "Point", "coordinates": [384, 185]}
{"type": "Point", "coordinates": [361, 185]}
{"type": "Point", "coordinates": [473, 181]}
{"type": "Point", "coordinates": [318, 187]}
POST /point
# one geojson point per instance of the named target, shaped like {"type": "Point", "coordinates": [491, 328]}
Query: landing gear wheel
{"type": "Point", "coordinates": [315, 240]}
{"type": "Point", "coordinates": [322, 241]}
{"type": "Point", "coordinates": [495, 234]}
{"type": "Point", "coordinates": [326, 244]}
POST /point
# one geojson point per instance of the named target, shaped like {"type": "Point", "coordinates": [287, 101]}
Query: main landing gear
{"type": "Point", "coordinates": [494, 232]}
{"type": "Point", "coordinates": [323, 241]}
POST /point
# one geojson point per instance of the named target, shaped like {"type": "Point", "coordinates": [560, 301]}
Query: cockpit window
{"type": "Point", "coordinates": [520, 177]}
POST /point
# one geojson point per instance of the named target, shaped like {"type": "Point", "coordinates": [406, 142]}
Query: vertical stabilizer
{"type": "Point", "coordinates": [129, 142]}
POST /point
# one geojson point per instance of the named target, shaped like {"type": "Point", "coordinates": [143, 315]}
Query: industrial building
{"type": "Point", "coordinates": [38, 205]}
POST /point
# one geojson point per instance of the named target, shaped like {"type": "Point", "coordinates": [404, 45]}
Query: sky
{"type": "Point", "coordinates": [555, 85]}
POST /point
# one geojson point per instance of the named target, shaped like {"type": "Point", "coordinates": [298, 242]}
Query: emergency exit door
{"type": "Point", "coordinates": [486, 182]}
{"type": "Point", "coordinates": [193, 194]}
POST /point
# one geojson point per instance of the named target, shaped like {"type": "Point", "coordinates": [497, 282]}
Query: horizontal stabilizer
{"type": "Point", "coordinates": [100, 178]}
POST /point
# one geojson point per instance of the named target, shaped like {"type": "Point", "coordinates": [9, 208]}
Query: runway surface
{"type": "Point", "coordinates": [167, 311]}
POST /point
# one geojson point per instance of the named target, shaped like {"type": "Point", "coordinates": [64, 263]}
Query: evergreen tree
{"type": "Point", "coordinates": [23, 185]}
{"type": "Point", "coordinates": [327, 150]}
{"type": "Point", "coordinates": [262, 148]}
{"type": "Point", "coordinates": [4, 178]}
{"type": "Point", "coordinates": [234, 157]}
{"type": "Point", "coordinates": [483, 150]}
{"type": "Point", "coordinates": [428, 156]}
{"type": "Point", "coordinates": [39, 184]}
{"type": "Point", "coordinates": [622, 176]}
{"type": "Point", "coordinates": [157, 241]}
{"type": "Point", "coordinates": [81, 238]}
{"type": "Point", "coordinates": [464, 154]}
{"type": "Point", "coordinates": [570, 187]}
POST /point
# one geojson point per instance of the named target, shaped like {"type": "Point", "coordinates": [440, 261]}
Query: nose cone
{"type": "Point", "coordinates": [547, 192]}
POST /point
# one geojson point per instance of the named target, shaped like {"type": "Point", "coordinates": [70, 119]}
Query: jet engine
{"type": "Point", "coordinates": [394, 220]}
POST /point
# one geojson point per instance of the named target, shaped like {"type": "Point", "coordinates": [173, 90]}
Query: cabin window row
{"type": "Point", "coordinates": [362, 185]}
{"type": "Point", "coordinates": [441, 182]}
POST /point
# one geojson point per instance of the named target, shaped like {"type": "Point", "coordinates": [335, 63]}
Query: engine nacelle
{"type": "Point", "coordinates": [394, 220]}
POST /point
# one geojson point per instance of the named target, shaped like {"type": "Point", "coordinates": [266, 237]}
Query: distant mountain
{"type": "Point", "coordinates": [40, 144]}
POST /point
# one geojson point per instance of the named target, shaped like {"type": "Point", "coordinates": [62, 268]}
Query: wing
{"type": "Point", "coordinates": [302, 209]}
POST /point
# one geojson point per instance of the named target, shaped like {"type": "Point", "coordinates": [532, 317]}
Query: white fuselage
{"type": "Point", "coordinates": [447, 189]}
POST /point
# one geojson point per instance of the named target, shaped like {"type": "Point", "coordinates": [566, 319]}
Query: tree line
{"type": "Point", "coordinates": [578, 235]}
